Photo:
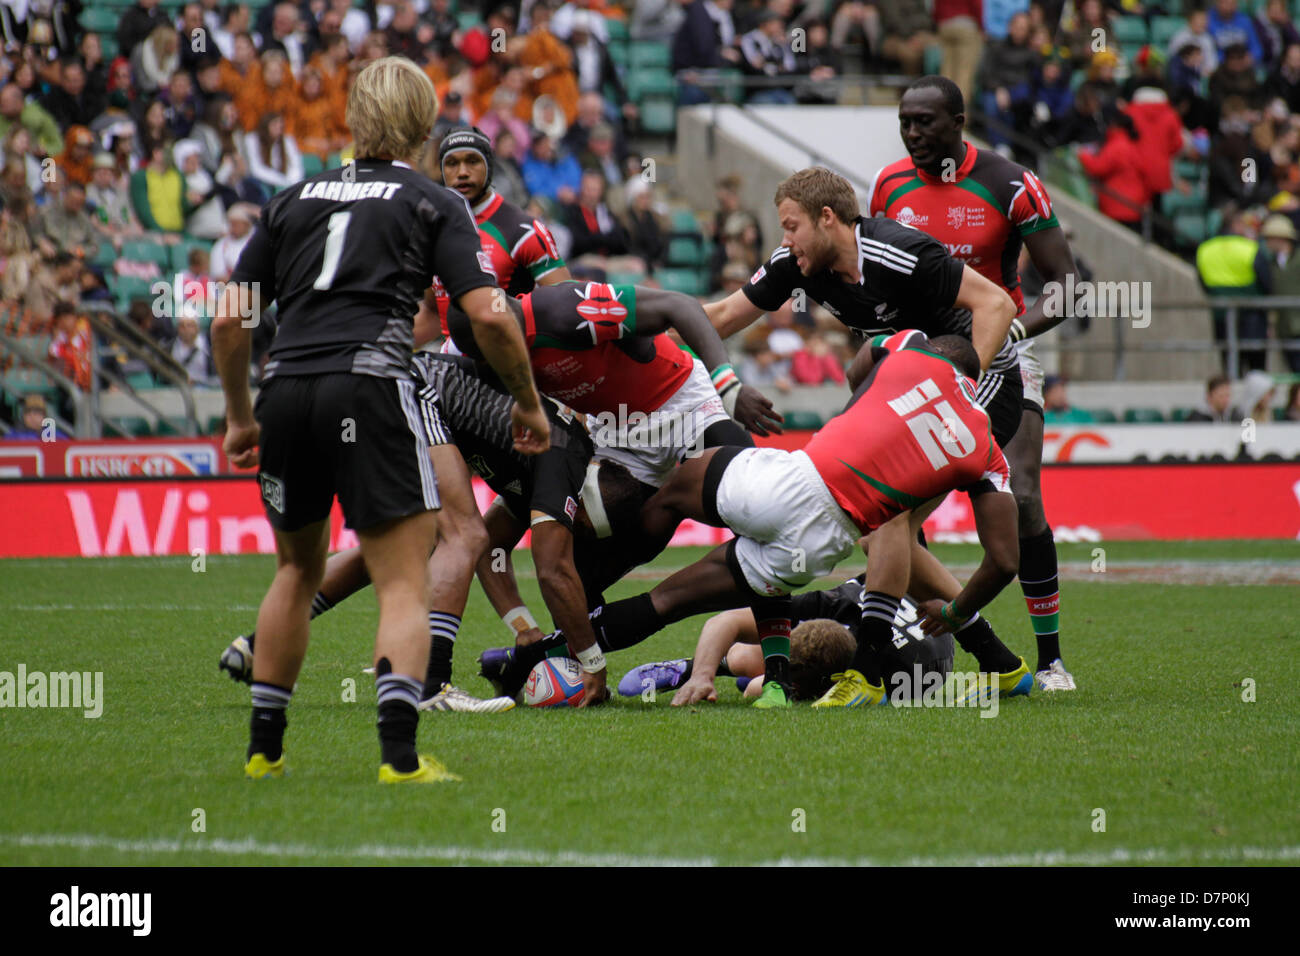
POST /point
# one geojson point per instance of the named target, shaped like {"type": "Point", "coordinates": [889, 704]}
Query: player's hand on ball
{"type": "Point", "coordinates": [694, 691]}
{"type": "Point", "coordinates": [532, 430]}
{"type": "Point", "coordinates": [240, 445]}
{"type": "Point", "coordinates": [594, 690]}
{"type": "Point", "coordinates": [931, 620]}
{"type": "Point", "coordinates": [754, 411]}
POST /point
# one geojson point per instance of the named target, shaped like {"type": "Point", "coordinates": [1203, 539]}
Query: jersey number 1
{"type": "Point", "coordinates": [338, 230]}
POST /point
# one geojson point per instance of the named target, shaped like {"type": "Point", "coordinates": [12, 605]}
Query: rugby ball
{"type": "Point", "coordinates": [555, 682]}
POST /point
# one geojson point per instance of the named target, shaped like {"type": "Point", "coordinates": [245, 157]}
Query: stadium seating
{"type": "Point", "coordinates": [143, 250]}
{"type": "Point", "coordinates": [688, 281]}
{"type": "Point", "coordinates": [1131, 32]}
{"type": "Point", "coordinates": [1143, 416]}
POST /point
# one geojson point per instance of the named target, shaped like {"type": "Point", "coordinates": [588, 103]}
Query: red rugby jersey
{"type": "Point", "coordinates": [521, 249]}
{"type": "Point", "coordinates": [912, 432]}
{"type": "Point", "coordinates": [981, 216]}
{"type": "Point", "coordinates": [612, 368]}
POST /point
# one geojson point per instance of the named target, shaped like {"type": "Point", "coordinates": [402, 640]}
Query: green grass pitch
{"type": "Point", "coordinates": [1165, 643]}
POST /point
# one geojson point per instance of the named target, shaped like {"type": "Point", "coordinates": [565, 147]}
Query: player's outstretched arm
{"type": "Point", "coordinates": [991, 313]}
{"type": "Point", "coordinates": [719, 634]}
{"type": "Point", "coordinates": [659, 310]}
{"type": "Point", "coordinates": [496, 573]}
{"type": "Point", "coordinates": [232, 347]}
{"type": "Point", "coordinates": [732, 314]}
{"type": "Point", "coordinates": [498, 336]}
{"type": "Point", "coordinates": [1050, 252]}
{"type": "Point", "coordinates": [997, 523]}
{"type": "Point", "coordinates": [565, 598]}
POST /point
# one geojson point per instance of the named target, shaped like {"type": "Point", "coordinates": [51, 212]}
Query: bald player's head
{"type": "Point", "coordinates": [959, 351]}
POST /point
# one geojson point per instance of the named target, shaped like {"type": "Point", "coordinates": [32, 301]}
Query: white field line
{"type": "Point", "coordinates": [454, 854]}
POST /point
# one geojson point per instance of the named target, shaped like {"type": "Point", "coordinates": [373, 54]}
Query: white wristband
{"type": "Point", "coordinates": [730, 396]}
{"type": "Point", "coordinates": [592, 659]}
{"type": "Point", "coordinates": [518, 620]}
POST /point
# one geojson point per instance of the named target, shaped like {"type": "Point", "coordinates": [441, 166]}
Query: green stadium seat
{"type": "Point", "coordinates": [732, 89]}
{"type": "Point", "coordinates": [170, 427]}
{"type": "Point", "coordinates": [684, 220]}
{"type": "Point", "coordinates": [617, 30]}
{"type": "Point", "coordinates": [624, 278]}
{"type": "Point", "coordinates": [23, 381]}
{"type": "Point", "coordinates": [130, 426]}
{"type": "Point", "coordinates": [141, 381]}
{"type": "Point", "coordinates": [1143, 416]}
{"type": "Point", "coordinates": [654, 81]}
{"type": "Point", "coordinates": [802, 421]}
{"type": "Point", "coordinates": [213, 425]}
{"type": "Point", "coordinates": [181, 252]}
{"type": "Point", "coordinates": [1174, 202]}
{"type": "Point", "coordinates": [1131, 32]}
{"type": "Point", "coordinates": [126, 288]}
{"type": "Point", "coordinates": [99, 20]}
{"type": "Point", "coordinates": [689, 281]}
{"type": "Point", "coordinates": [1191, 170]}
{"type": "Point", "coordinates": [1192, 228]}
{"type": "Point", "coordinates": [684, 251]}
{"type": "Point", "coordinates": [649, 53]}
{"type": "Point", "coordinates": [311, 165]}
{"type": "Point", "coordinates": [105, 255]}
{"type": "Point", "coordinates": [618, 52]}
{"type": "Point", "coordinates": [468, 19]}
{"type": "Point", "coordinates": [932, 60]}
{"type": "Point", "coordinates": [658, 115]}
{"type": "Point", "coordinates": [1163, 30]}
{"type": "Point", "coordinates": [143, 250]}
{"type": "Point", "coordinates": [1103, 416]}
{"type": "Point", "coordinates": [1179, 414]}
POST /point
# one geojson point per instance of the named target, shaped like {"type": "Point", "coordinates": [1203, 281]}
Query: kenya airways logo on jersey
{"type": "Point", "coordinates": [602, 311]}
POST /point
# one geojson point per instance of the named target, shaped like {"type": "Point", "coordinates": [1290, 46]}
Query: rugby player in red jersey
{"type": "Point", "coordinates": [983, 207]}
{"type": "Point", "coordinates": [522, 249]}
{"type": "Point", "coordinates": [912, 433]}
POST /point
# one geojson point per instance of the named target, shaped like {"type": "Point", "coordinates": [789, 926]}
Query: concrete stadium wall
{"type": "Point", "coordinates": [714, 141]}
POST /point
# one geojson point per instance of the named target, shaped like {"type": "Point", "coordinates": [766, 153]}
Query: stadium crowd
{"type": "Point", "coordinates": [142, 148]}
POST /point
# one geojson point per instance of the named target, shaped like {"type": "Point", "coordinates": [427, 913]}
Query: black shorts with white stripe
{"type": "Point", "coordinates": [359, 437]}
{"type": "Point", "coordinates": [1002, 396]}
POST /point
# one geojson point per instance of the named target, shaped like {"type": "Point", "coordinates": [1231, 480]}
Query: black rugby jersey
{"type": "Point", "coordinates": [347, 256]}
{"type": "Point", "coordinates": [908, 282]}
{"type": "Point", "coordinates": [476, 410]}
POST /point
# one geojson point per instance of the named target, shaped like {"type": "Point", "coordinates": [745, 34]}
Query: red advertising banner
{"type": "Point", "coordinates": [224, 516]}
{"type": "Point", "coordinates": [113, 458]}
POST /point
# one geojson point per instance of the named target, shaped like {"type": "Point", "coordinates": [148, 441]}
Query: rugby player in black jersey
{"type": "Point", "coordinates": [347, 255]}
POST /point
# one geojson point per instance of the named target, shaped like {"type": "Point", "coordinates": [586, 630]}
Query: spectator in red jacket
{"type": "Point", "coordinates": [1159, 136]}
{"type": "Point", "coordinates": [1118, 167]}
{"type": "Point", "coordinates": [816, 364]}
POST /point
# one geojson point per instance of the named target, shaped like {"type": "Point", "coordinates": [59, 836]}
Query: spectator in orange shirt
{"type": "Point", "coordinates": [78, 154]}
{"type": "Point", "coordinates": [315, 123]}
{"type": "Point", "coordinates": [278, 93]}
{"type": "Point", "coordinates": [331, 62]}
{"type": "Point", "coordinates": [549, 65]}
{"type": "Point", "coordinates": [241, 78]}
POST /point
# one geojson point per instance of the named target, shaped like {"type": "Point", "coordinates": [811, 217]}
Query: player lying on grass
{"type": "Point", "coordinates": [912, 433]}
{"type": "Point", "coordinates": [821, 650]}
{"type": "Point", "coordinates": [463, 409]}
